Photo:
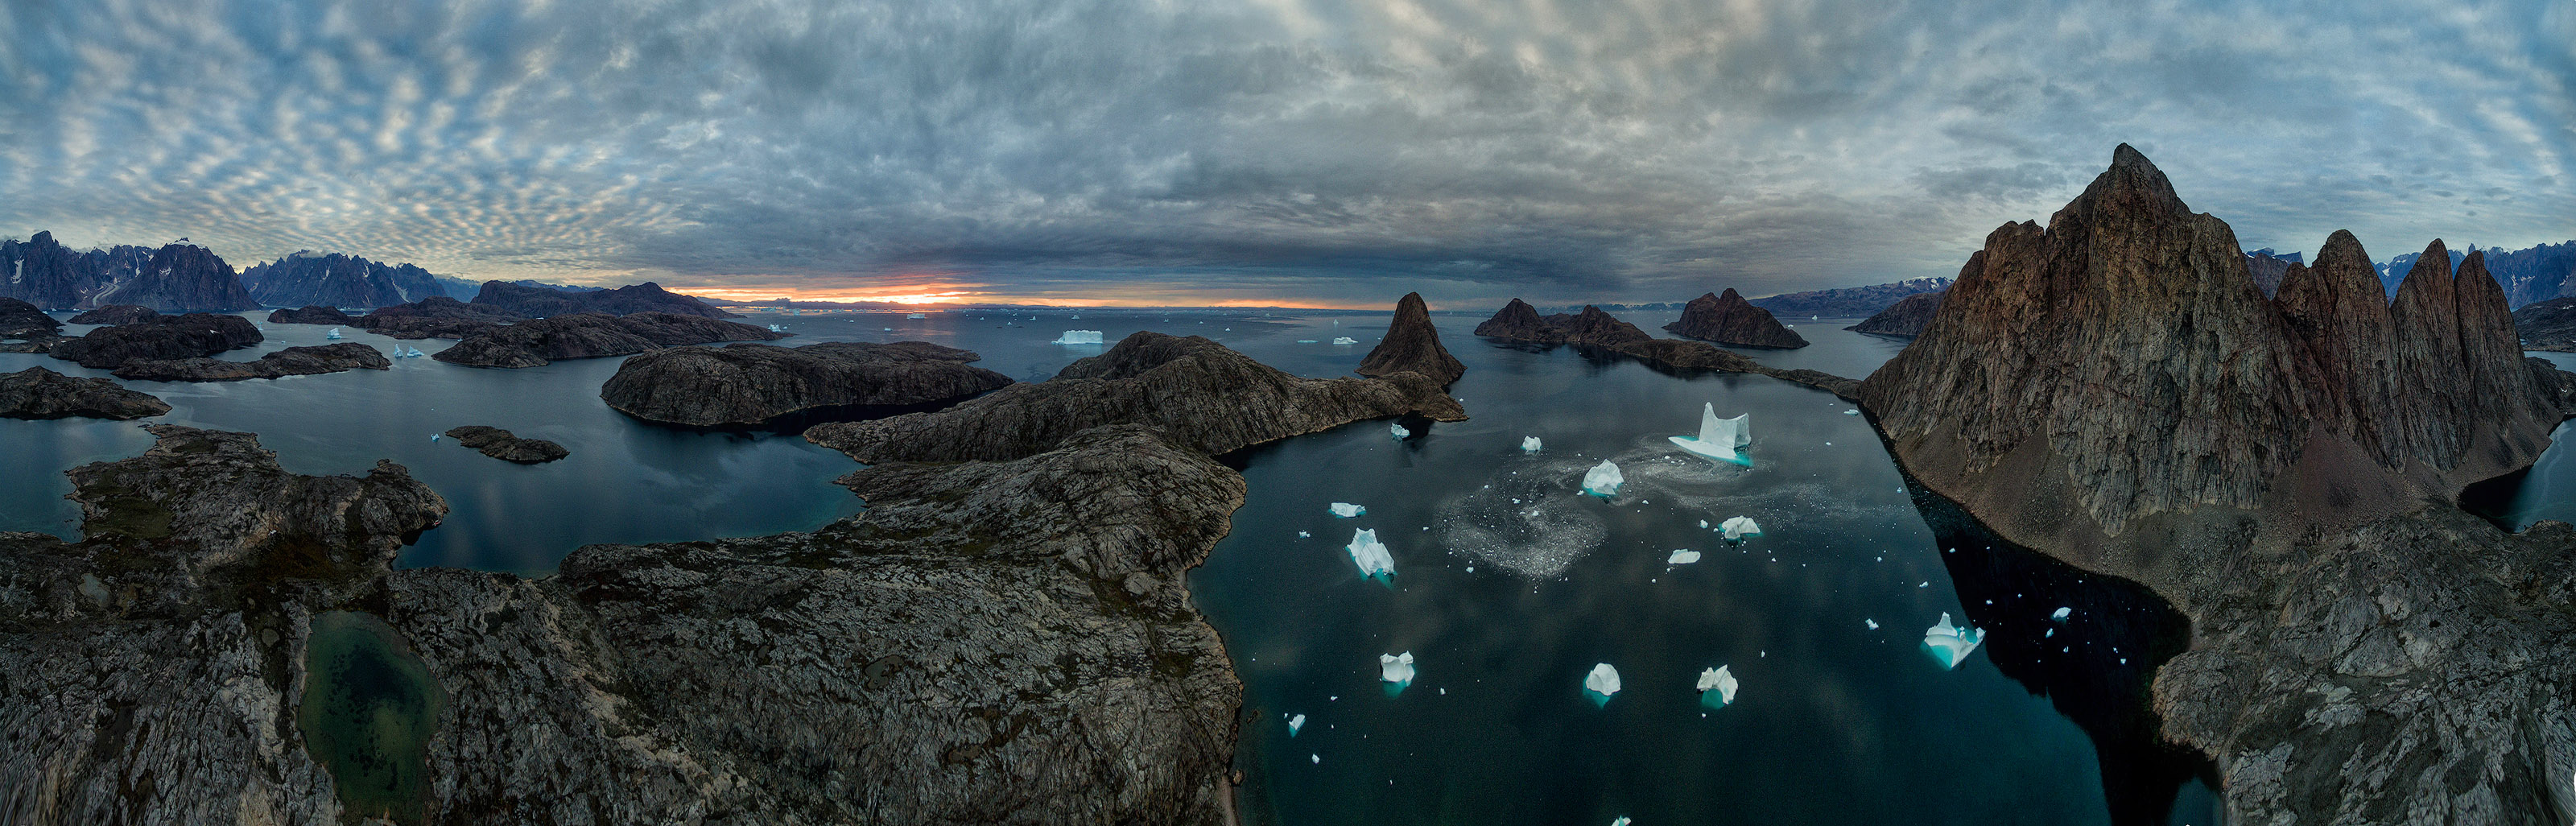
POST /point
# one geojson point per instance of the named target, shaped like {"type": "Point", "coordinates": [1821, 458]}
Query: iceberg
{"type": "Point", "coordinates": [1295, 723]}
{"type": "Point", "coordinates": [1851, 412]}
{"type": "Point", "coordinates": [1601, 683]}
{"type": "Point", "coordinates": [1079, 337]}
{"type": "Point", "coordinates": [1305, 341]}
{"type": "Point", "coordinates": [1396, 670]}
{"type": "Point", "coordinates": [1738, 527]}
{"type": "Point", "coordinates": [1622, 821]}
{"type": "Point", "coordinates": [1682, 557]}
{"type": "Point", "coordinates": [1718, 438]}
{"type": "Point", "coordinates": [1948, 644]}
{"type": "Point", "coordinates": [1397, 430]}
{"type": "Point", "coordinates": [1603, 480]}
{"type": "Point", "coordinates": [1719, 680]}
{"type": "Point", "coordinates": [411, 352]}
{"type": "Point", "coordinates": [927, 315]}
{"type": "Point", "coordinates": [2062, 614]}
{"type": "Point", "coordinates": [333, 335]}
{"type": "Point", "coordinates": [1371, 556]}
{"type": "Point", "coordinates": [1341, 341]}
{"type": "Point", "coordinates": [1529, 444]}
{"type": "Point", "coordinates": [1347, 510]}
{"type": "Point", "coordinates": [777, 329]}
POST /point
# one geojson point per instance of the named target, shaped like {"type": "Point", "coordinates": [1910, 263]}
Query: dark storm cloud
{"type": "Point", "coordinates": [1311, 150]}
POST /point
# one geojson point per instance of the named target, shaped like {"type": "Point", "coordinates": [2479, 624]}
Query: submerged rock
{"type": "Point", "coordinates": [501, 444]}
{"type": "Point", "coordinates": [114, 314]}
{"type": "Point", "coordinates": [313, 314]}
{"type": "Point", "coordinates": [744, 385]}
{"type": "Point", "coordinates": [38, 393]}
{"type": "Point", "coordinates": [590, 335]}
{"type": "Point", "coordinates": [1411, 344]}
{"type": "Point", "coordinates": [159, 337]}
{"type": "Point", "coordinates": [1906, 319]}
{"type": "Point", "coordinates": [1730, 320]}
{"type": "Point", "coordinates": [292, 361]}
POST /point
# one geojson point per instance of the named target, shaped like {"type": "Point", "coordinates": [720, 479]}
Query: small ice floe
{"type": "Point", "coordinates": [1873, 624]}
{"type": "Point", "coordinates": [1347, 510]}
{"type": "Point", "coordinates": [1316, 757]}
{"type": "Point", "coordinates": [1851, 412]}
{"type": "Point", "coordinates": [1738, 527]}
{"type": "Point", "coordinates": [777, 329]}
{"type": "Point", "coordinates": [434, 436]}
{"type": "Point", "coordinates": [1372, 557]}
{"type": "Point", "coordinates": [1718, 438]}
{"type": "Point", "coordinates": [1344, 341]}
{"type": "Point", "coordinates": [1529, 444]}
{"type": "Point", "coordinates": [1683, 556]}
{"type": "Point", "coordinates": [1924, 584]}
{"type": "Point", "coordinates": [333, 335]}
{"type": "Point", "coordinates": [2062, 614]}
{"type": "Point", "coordinates": [1396, 670]}
{"type": "Point", "coordinates": [1602, 682]}
{"type": "Point", "coordinates": [1078, 337]}
{"type": "Point", "coordinates": [412, 353]}
{"type": "Point", "coordinates": [890, 329]}
{"type": "Point", "coordinates": [1603, 480]}
{"type": "Point", "coordinates": [926, 315]}
{"type": "Point", "coordinates": [1716, 687]}
{"type": "Point", "coordinates": [1948, 644]}
{"type": "Point", "coordinates": [1396, 429]}
{"type": "Point", "coordinates": [1622, 821]}
{"type": "Point", "coordinates": [1305, 535]}
{"type": "Point", "coordinates": [1305, 341]}
{"type": "Point", "coordinates": [1295, 722]}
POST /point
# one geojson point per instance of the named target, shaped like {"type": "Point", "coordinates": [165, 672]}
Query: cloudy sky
{"type": "Point", "coordinates": [1311, 152]}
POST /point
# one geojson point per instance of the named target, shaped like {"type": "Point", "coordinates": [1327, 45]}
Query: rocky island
{"type": "Point", "coordinates": [38, 393]}
{"type": "Point", "coordinates": [1411, 344]}
{"type": "Point", "coordinates": [591, 335]}
{"type": "Point", "coordinates": [313, 314]}
{"type": "Point", "coordinates": [1905, 319]}
{"type": "Point", "coordinates": [505, 446]}
{"type": "Point", "coordinates": [2548, 325]}
{"type": "Point", "coordinates": [755, 385]}
{"type": "Point", "coordinates": [1729, 320]}
{"type": "Point", "coordinates": [26, 329]}
{"type": "Point", "coordinates": [159, 337]}
{"type": "Point", "coordinates": [1518, 321]}
{"type": "Point", "coordinates": [292, 361]}
{"type": "Point", "coordinates": [113, 314]}
{"type": "Point", "coordinates": [541, 302]}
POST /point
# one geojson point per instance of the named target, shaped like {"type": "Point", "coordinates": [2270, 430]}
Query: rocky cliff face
{"type": "Point", "coordinates": [1204, 396]}
{"type": "Point", "coordinates": [749, 385]}
{"type": "Point", "coordinates": [1728, 320]}
{"type": "Point", "coordinates": [38, 393]}
{"type": "Point", "coordinates": [179, 278]}
{"type": "Point", "coordinates": [1412, 344]}
{"type": "Point", "coordinates": [42, 272]}
{"type": "Point", "coordinates": [592, 335]}
{"type": "Point", "coordinates": [2268, 269]}
{"type": "Point", "coordinates": [1906, 319]}
{"type": "Point", "coordinates": [2548, 325]}
{"type": "Point", "coordinates": [159, 337]}
{"type": "Point", "coordinates": [1517, 321]}
{"type": "Point", "coordinates": [541, 302]}
{"type": "Point", "coordinates": [292, 361]}
{"type": "Point", "coordinates": [337, 280]}
{"type": "Point", "coordinates": [1849, 302]}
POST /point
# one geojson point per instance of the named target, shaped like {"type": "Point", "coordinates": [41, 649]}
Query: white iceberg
{"type": "Point", "coordinates": [1719, 680]}
{"type": "Point", "coordinates": [1738, 527]}
{"type": "Point", "coordinates": [2062, 614]}
{"type": "Point", "coordinates": [777, 329]}
{"type": "Point", "coordinates": [1371, 556]}
{"type": "Point", "coordinates": [1602, 682]}
{"type": "Point", "coordinates": [1343, 341]}
{"type": "Point", "coordinates": [1347, 510]}
{"type": "Point", "coordinates": [1529, 444]}
{"type": "Point", "coordinates": [1078, 337]}
{"type": "Point", "coordinates": [1948, 644]}
{"type": "Point", "coordinates": [1851, 412]}
{"type": "Point", "coordinates": [1295, 723]}
{"type": "Point", "coordinates": [1622, 821]}
{"type": "Point", "coordinates": [1396, 429]}
{"type": "Point", "coordinates": [1873, 624]}
{"type": "Point", "coordinates": [1603, 480]}
{"type": "Point", "coordinates": [411, 352]}
{"type": "Point", "coordinates": [1396, 669]}
{"type": "Point", "coordinates": [333, 335]}
{"type": "Point", "coordinates": [926, 315]}
{"type": "Point", "coordinates": [1682, 557]}
{"type": "Point", "coordinates": [1718, 438]}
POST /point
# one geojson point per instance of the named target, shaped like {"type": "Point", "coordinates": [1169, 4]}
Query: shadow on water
{"type": "Point", "coordinates": [369, 709]}
{"type": "Point", "coordinates": [2095, 667]}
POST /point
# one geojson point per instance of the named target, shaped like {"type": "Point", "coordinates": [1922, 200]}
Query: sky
{"type": "Point", "coordinates": [1263, 152]}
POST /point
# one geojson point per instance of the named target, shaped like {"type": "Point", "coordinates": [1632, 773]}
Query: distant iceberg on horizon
{"type": "Point", "coordinates": [1079, 337]}
{"type": "Point", "coordinates": [1718, 438]}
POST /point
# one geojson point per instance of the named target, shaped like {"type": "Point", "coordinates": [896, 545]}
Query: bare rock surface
{"type": "Point", "coordinates": [1208, 398]}
{"type": "Point", "coordinates": [1907, 318]}
{"type": "Point", "coordinates": [744, 385]}
{"type": "Point", "coordinates": [38, 393]}
{"type": "Point", "coordinates": [506, 446]}
{"type": "Point", "coordinates": [159, 337]}
{"type": "Point", "coordinates": [313, 314]}
{"type": "Point", "coordinates": [292, 361]}
{"type": "Point", "coordinates": [1518, 321]}
{"type": "Point", "coordinates": [113, 314]}
{"type": "Point", "coordinates": [2548, 325]}
{"type": "Point", "coordinates": [591, 335]}
{"type": "Point", "coordinates": [1412, 344]}
{"type": "Point", "coordinates": [1728, 319]}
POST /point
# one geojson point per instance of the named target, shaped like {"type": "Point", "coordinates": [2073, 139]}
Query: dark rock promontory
{"type": "Point", "coordinates": [1208, 398]}
{"type": "Point", "coordinates": [2548, 325]}
{"type": "Point", "coordinates": [1411, 343]}
{"type": "Point", "coordinates": [24, 328]}
{"type": "Point", "coordinates": [541, 302]}
{"type": "Point", "coordinates": [1729, 320]}
{"type": "Point", "coordinates": [1905, 319]}
{"type": "Point", "coordinates": [117, 314]}
{"type": "Point", "coordinates": [292, 361]}
{"type": "Point", "coordinates": [590, 335]}
{"type": "Point", "coordinates": [38, 393]}
{"type": "Point", "coordinates": [1848, 302]}
{"type": "Point", "coordinates": [1592, 328]}
{"type": "Point", "coordinates": [313, 314]}
{"type": "Point", "coordinates": [747, 385]}
{"type": "Point", "coordinates": [159, 337]}
{"type": "Point", "coordinates": [505, 446]}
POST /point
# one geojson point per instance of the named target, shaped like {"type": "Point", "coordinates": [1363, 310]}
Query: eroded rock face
{"type": "Point", "coordinates": [1593, 328]}
{"type": "Point", "coordinates": [2548, 325]}
{"type": "Point", "coordinates": [506, 446]}
{"type": "Point", "coordinates": [117, 314]}
{"type": "Point", "coordinates": [2269, 269]}
{"type": "Point", "coordinates": [1906, 319]}
{"type": "Point", "coordinates": [1728, 319]}
{"type": "Point", "coordinates": [591, 335]}
{"type": "Point", "coordinates": [540, 302]}
{"type": "Point", "coordinates": [1208, 398]}
{"type": "Point", "coordinates": [337, 280]}
{"type": "Point", "coordinates": [292, 361]}
{"type": "Point", "coordinates": [1412, 344]}
{"type": "Point", "coordinates": [179, 278]}
{"type": "Point", "coordinates": [747, 385]}
{"type": "Point", "coordinates": [38, 393]}
{"type": "Point", "coordinates": [41, 271]}
{"type": "Point", "coordinates": [313, 314]}
{"type": "Point", "coordinates": [159, 337]}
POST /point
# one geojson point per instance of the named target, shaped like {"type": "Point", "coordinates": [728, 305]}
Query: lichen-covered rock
{"type": "Point", "coordinates": [591, 335]}
{"type": "Point", "coordinates": [114, 314]}
{"type": "Point", "coordinates": [159, 337]}
{"type": "Point", "coordinates": [292, 361]}
{"type": "Point", "coordinates": [1207, 397]}
{"type": "Point", "coordinates": [1411, 343]}
{"type": "Point", "coordinates": [745, 385]}
{"type": "Point", "coordinates": [38, 393]}
{"type": "Point", "coordinates": [1728, 319]}
{"type": "Point", "coordinates": [505, 446]}
{"type": "Point", "coordinates": [313, 314]}
{"type": "Point", "coordinates": [1907, 318]}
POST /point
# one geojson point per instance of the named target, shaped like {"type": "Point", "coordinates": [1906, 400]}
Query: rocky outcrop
{"type": "Point", "coordinates": [1592, 328]}
{"type": "Point", "coordinates": [1729, 320]}
{"type": "Point", "coordinates": [179, 278]}
{"type": "Point", "coordinates": [1906, 319]}
{"type": "Point", "coordinates": [2548, 325]}
{"type": "Point", "coordinates": [1206, 397]}
{"type": "Point", "coordinates": [337, 280]}
{"type": "Point", "coordinates": [750, 385]}
{"type": "Point", "coordinates": [2113, 390]}
{"type": "Point", "coordinates": [590, 335]}
{"type": "Point", "coordinates": [1849, 302]}
{"type": "Point", "coordinates": [313, 314]}
{"type": "Point", "coordinates": [2269, 269]}
{"type": "Point", "coordinates": [153, 668]}
{"type": "Point", "coordinates": [1412, 344]}
{"type": "Point", "coordinates": [540, 302]}
{"type": "Point", "coordinates": [1519, 321]}
{"type": "Point", "coordinates": [503, 445]}
{"type": "Point", "coordinates": [26, 329]}
{"type": "Point", "coordinates": [38, 393]}
{"type": "Point", "coordinates": [114, 314]}
{"type": "Point", "coordinates": [292, 361]}
{"type": "Point", "coordinates": [159, 337]}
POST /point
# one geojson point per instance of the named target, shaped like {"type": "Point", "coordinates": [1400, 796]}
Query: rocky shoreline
{"type": "Point", "coordinates": [292, 361]}
{"type": "Point", "coordinates": [38, 393]}
{"type": "Point", "coordinates": [158, 337]}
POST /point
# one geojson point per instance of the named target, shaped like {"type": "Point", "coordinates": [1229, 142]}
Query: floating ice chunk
{"type": "Point", "coordinates": [1719, 680]}
{"type": "Point", "coordinates": [1347, 510]}
{"type": "Point", "coordinates": [1738, 527]}
{"type": "Point", "coordinates": [1682, 557]}
{"type": "Point", "coordinates": [1703, 524]}
{"type": "Point", "coordinates": [434, 436]}
{"type": "Point", "coordinates": [2062, 614]}
{"type": "Point", "coordinates": [1371, 556]}
{"type": "Point", "coordinates": [1396, 429]}
{"type": "Point", "coordinates": [1718, 438]}
{"type": "Point", "coordinates": [333, 335]}
{"type": "Point", "coordinates": [1396, 668]}
{"type": "Point", "coordinates": [1873, 624]}
{"type": "Point", "coordinates": [1851, 412]}
{"type": "Point", "coordinates": [1622, 821]}
{"type": "Point", "coordinates": [1602, 682]}
{"type": "Point", "coordinates": [1948, 644]}
{"type": "Point", "coordinates": [1529, 444]}
{"type": "Point", "coordinates": [1074, 337]}
{"type": "Point", "coordinates": [1603, 480]}
{"type": "Point", "coordinates": [1344, 341]}
{"type": "Point", "coordinates": [777, 329]}
{"type": "Point", "coordinates": [1294, 723]}
{"type": "Point", "coordinates": [1316, 757]}
{"type": "Point", "coordinates": [411, 352]}
{"type": "Point", "coordinates": [1305, 341]}
{"type": "Point", "coordinates": [925, 315]}
{"type": "Point", "coordinates": [1305, 535]}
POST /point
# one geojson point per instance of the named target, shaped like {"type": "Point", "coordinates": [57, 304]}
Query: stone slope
{"type": "Point", "coordinates": [337, 280]}
{"type": "Point", "coordinates": [506, 446]}
{"type": "Point", "coordinates": [745, 385]}
{"type": "Point", "coordinates": [1411, 343]}
{"type": "Point", "coordinates": [1849, 302]}
{"type": "Point", "coordinates": [179, 278]}
{"type": "Point", "coordinates": [26, 329]}
{"type": "Point", "coordinates": [1728, 319]}
{"type": "Point", "coordinates": [114, 314]}
{"type": "Point", "coordinates": [541, 302]}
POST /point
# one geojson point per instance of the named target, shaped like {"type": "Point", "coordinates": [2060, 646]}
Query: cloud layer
{"type": "Point", "coordinates": [1303, 150]}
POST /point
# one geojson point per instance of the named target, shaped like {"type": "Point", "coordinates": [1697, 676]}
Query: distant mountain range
{"type": "Point", "coordinates": [2528, 275]}
{"type": "Point", "coordinates": [337, 280]}
{"type": "Point", "coordinates": [183, 277]}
